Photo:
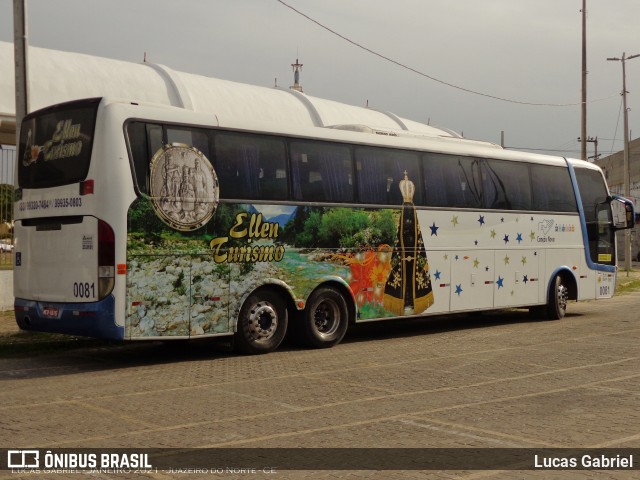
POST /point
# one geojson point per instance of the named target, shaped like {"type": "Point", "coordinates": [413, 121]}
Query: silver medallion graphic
{"type": "Point", "coordinates": [184, 187]}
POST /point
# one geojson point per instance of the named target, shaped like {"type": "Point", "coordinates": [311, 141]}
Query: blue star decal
{"type": "Point", "coordinates": [437, 274]}
{"type": "Point", "coordinates": [459, 289]}
{"type": "Point", "coordinates": [456, 257]}
{"type": "Point", "coordinates": [481, 220]}
{"type": "Point", "coordinates": [500, 282]}
{"type": "Point", "coordinates": [525, 279]}
{"type": "Point", "coordinates": [506, 239]}
{"type": "Point", "coordinates": [434, 229]}
{"type": "Point", "coordinates": [502, 219]}
{"type": "Point", "coordinates": [519, 238]}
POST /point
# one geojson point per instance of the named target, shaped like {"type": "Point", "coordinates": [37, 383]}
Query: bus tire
{"type": "Point", "coordinates": [262, 323]}
{"type": "Point", "coordinates": [558, 299]}
{"type": "Point", "coordinates": [325, 318]}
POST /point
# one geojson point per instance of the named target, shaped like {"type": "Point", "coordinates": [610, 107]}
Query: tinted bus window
{"type": "Point", "coordinates": [380, 173]}
{"type": "Point", "coordinates": [552, 189]}
{"type": "Point", "coordinates": [55, 145]}
{"type": "Point", "coordinates": [506, 185]}
{"type": "Point", "coordinates": [452, 181]}
{"type": "Point", "coordinates": [251, 166]}
{"type": "Point", "coordinates": [321, 172]}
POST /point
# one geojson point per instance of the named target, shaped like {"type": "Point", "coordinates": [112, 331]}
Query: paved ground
{"type": "Point", "coordinates": [500, 380]}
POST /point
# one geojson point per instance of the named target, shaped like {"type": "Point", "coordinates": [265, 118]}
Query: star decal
{"type": "Point", "coordinates": [519, 237]}
{"type": "Point", "coordinates": [434, 229]}
{"type": "Point", "coordinates": [525, 279]}
{"type": "Point", "coordinates": [476, 243]}
{"type": "Point", "coordinates": [481, 220]}
{"type": "Point", "coordinates": [502, 220]}
{"type": "Point", "coordinates": [506, 259]}
{"type": "Point", "coordinates": [446, 256]}
{"type": "Point", "coordinates": [493, 234]}
{"type": "Point", "coordinates": [456, 257]}
{"type": "Point", "coordinates": [454, 220]}
{"type": "Point", "coordinates": [437, 274]}
{"type": "Point", "coordinates": [532, 235]}
{"type": "Point", "coordinates": [500, 282]}
{"type": "Point", "coordinates": [476, 262]}
{"type": "Point", "coordinates": [506, 239]}
{"type": "Point", "coordinates": [459, 289]}
{"type": "Point", "coordinates": [523, 261]}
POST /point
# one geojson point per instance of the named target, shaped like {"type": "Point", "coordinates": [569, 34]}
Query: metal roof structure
{"type": "Point", "coordinates": [56, 76]}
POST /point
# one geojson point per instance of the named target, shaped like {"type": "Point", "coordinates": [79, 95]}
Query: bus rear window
{"type": "Point", "coordinates": [55, 144]}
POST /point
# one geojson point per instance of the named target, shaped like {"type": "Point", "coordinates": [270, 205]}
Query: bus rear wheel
{"type": "Point", "coordinates": [325, 318]}
{"type": "Point", "coordinates": [262, 323]}
{"type": "Point", "coordinates": [558, 299]}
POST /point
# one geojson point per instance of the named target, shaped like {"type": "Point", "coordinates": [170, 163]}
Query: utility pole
{"type": "Point", "coordinates": [595, 142]}
{"type": "Point", "coordinates": [627, 185]}
{"type": "Point", "coordinates": [20, 43]}
{"type": "Point", "coordinates": [584, 82]}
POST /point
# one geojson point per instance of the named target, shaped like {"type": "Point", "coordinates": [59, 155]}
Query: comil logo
{"type": "Point", "coordinates": [23, 458]}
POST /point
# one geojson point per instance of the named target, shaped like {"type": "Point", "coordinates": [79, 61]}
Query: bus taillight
{"type": "Point", "coordinates": [106, 259]}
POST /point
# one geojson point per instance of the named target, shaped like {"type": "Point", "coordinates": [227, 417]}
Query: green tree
{"type": "Point", "coordinates": [339, 226]}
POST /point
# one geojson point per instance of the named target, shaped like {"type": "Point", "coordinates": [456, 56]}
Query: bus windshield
{"type": "Point", "coordinates": [55, 145]}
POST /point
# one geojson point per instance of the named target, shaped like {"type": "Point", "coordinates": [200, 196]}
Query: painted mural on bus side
{"type": "Point", "coordinates": [189, 282]}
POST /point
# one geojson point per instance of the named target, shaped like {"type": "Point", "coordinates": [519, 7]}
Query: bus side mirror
{"type": "Point", "coordinates": [623, 212]}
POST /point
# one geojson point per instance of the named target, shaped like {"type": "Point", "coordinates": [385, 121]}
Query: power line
{"type": "Point", "coordinates": [425, 75]}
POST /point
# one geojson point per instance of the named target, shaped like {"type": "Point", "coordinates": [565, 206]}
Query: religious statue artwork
{"type": "Point", "coordinates": [184, 187]}
{"type": "Point", "coordinates": [408, 288]}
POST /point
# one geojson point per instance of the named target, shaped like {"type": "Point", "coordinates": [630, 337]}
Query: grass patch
{"type": "Point", "coordinates": [627, 285]}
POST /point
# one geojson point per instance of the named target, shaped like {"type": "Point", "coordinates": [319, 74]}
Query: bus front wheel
{"type": "Point", "coordinates": [558, 299]}
{"type": "Point", "coordinates": [262, 323]}
{"type": "Point", "coordinates": [325, 318]}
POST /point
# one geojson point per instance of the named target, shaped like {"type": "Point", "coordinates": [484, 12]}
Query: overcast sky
{"type": "Point", "coordinates": [522, 50]}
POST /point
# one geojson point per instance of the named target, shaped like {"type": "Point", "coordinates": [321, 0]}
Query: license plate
{"type": "Point", "coordinates": [50, 312]}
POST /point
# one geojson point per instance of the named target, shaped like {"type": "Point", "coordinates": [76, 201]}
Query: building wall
{"type": "Point", "coordinates": [613, 167]}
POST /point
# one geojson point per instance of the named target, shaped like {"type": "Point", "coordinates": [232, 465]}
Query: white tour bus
{"type": "Point", "coordinates": [136, 221]}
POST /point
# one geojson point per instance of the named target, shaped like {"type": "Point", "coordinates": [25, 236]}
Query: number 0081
{"type": "Point", "coordinates": [84, 290]}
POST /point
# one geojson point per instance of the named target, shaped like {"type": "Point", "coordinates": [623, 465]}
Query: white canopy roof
{"type": "Point", "coordinates": [57, 76]}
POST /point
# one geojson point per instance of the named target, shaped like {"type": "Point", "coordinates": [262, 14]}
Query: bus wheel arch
{"type": "Point", "coordinates": [562, 288]}
{"type": "Point", "coordinates": [262, 321]}
{"type": "Point", "coordinates": [327, 314]}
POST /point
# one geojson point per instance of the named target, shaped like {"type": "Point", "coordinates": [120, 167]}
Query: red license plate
{"type": "Point", "coordinates": [50, 312]}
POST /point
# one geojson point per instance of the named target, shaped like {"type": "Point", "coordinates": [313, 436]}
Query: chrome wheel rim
{"type": "Point", "coordinates": [262, 321]}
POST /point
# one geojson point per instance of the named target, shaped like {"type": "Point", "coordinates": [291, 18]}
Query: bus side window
{"type": "Point", "coordinates": [552, 189]}
{"type": "Point", "coordinates": [506, 185]}
{"type": "Point", "coordinates": [321, 172]}
{"type": "Point", "coordinates": [144, 140]}
{"type": "Point", "coordinates": [452, 181]}
{"type": "Point", "coordinates": [380, 172]}
{"type": "Point", "coordinates": [251, 166]}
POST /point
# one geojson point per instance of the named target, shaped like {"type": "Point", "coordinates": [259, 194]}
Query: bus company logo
{"type": "Point", "coordinates": [184, 187]}
{"type": "Point", "coordinates": [545, 225]}
{"type": "Point", "coordinates": [65, 142]}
